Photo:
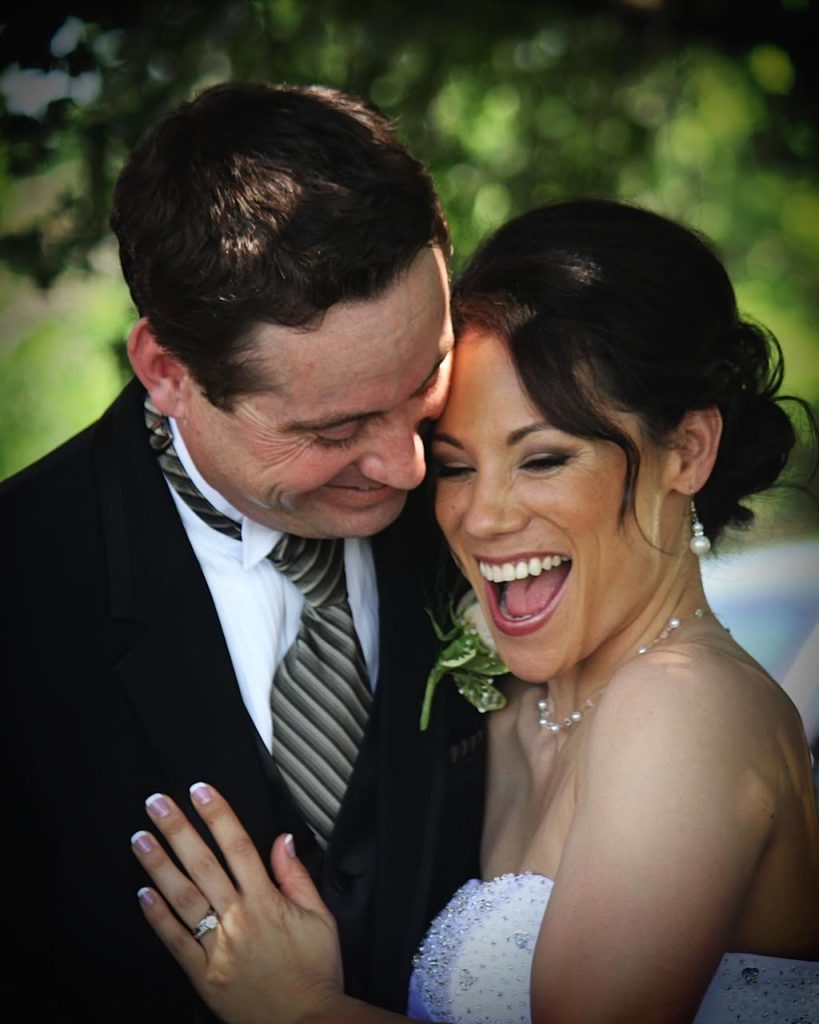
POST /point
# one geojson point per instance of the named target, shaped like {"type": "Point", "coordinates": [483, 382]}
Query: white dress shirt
{"type": "Point", "coordinates": [258, 607]}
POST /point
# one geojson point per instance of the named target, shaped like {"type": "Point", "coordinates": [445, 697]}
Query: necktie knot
{"type": "Point", "coordinates": [316, 567]}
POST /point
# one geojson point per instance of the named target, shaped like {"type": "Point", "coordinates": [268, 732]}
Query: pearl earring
{"type": "Point", "coordinates": [699, 543]}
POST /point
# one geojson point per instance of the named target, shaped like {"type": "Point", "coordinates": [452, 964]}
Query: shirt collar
{"type": "Point", "coordinates": [257, 540]}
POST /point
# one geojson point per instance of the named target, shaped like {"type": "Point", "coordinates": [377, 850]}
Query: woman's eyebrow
{"type": "Point", "coordinates": [513, 438]}
{"type": "Point", "coordinates": [445, 439]}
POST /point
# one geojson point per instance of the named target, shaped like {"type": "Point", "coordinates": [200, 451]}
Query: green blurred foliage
{"type": "Point", "coordinates": [509, 105]}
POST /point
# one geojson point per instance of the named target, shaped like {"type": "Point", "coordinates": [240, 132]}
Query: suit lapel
{"type": "Point", "coordinates": [410, 765]}
{"type": "Point", "coordinates": [174, 664]}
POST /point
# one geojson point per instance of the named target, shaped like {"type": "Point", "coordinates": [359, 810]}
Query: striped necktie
{"type": "Point", "coordinates": [321, 695]}
{"type": "Point", "coordinates": [320, 698]}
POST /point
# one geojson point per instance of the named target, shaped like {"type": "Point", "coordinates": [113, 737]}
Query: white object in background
{"type": "Point", "coordinates": [769, 598]}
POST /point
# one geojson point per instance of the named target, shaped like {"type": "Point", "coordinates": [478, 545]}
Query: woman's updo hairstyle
{"type": "Point", "coordinates": [605, 305]}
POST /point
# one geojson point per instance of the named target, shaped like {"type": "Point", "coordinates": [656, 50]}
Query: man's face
{"type": "Point", "coordinates": [331, 447]}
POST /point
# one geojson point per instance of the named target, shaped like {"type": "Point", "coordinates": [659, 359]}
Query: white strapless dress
{"type": "Point", "coordinates": [475, 964]}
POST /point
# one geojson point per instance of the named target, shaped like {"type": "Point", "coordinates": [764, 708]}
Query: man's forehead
{"type": "Point", "coordinates": [407, 328]}
{"type": "Point", "coordinates": [373, 401]}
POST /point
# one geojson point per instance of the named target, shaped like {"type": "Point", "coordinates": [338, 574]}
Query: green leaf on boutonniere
{"type": "Point", "coordinates": [470, 660]}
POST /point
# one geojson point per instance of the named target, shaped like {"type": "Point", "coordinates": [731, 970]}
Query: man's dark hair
{"type": "Point", "coordinates": [262, 203]}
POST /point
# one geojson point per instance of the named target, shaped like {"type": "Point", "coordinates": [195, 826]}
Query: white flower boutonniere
{"type": "Point", "coordinates": [469, 656]}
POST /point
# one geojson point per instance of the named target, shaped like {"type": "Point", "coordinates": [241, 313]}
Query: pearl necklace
{"type": "Point", "coordinates": [578, 714]}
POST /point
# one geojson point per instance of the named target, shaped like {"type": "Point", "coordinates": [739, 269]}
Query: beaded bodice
{"type": "Point", "coordinates": [475, 963]}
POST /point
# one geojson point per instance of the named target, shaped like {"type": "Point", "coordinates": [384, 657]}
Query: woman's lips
{"type": "Point", "coordinates": [521, 605]}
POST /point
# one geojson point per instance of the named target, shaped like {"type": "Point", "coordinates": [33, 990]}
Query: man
{"type": "Point", "coordinates": [286, 256]}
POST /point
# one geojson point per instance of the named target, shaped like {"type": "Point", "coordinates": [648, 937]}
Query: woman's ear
{"type": "Point", "coordinates": [696, 445]}
{"type": "Point", "coordinates": [164, 377]}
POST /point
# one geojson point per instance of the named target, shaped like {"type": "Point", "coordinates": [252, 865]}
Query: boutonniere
{"type": "Point", "coordinates": [469, 656]}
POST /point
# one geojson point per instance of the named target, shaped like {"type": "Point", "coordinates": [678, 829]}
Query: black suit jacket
{"type": "Point", "coordinates": [121, 685]}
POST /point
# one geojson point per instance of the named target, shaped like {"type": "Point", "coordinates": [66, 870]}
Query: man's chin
{"type": "Point", "coordinates": [345, 518]}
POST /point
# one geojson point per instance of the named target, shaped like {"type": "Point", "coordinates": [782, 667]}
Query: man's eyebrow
{"type": "Point", "coordinates": [329, 422]}
{"type": "Point", "coordinates": [341, 419]}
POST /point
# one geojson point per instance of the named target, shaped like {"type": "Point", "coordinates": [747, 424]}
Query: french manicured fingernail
{"type": "Point", "coordinates": [147, 897]}
{"type": "Point", "coordinates": [201, 793]}
{"type": "Point", "coordinates": [142, 842]}
{"type": "Point", "coordinates": [158, 805]}
{"type": "Point", "coordinates": [289, 845]}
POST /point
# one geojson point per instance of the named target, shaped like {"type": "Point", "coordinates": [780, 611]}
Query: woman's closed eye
{"type": "Point", "coordinates": [545, 462]}
{"type": "Point", "coordinates": [449, 470]}
{"type": "Point", "coordinates": [446, 469]}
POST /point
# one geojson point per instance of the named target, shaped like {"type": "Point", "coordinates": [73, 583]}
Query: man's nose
{"type": "Point", "coordinates": [396, 457]}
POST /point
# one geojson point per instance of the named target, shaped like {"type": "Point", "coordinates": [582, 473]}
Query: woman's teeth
{"type": "Point", "coordinates": [506, 572]}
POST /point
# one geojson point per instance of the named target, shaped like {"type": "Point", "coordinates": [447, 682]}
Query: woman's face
{"type": "Point", "coordinates": [532, 515]}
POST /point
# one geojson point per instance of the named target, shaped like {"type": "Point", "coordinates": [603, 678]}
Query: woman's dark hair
{"type": "Point", "coordinates": [265, 204]}
{"type": "Point", "coordinates": [607, 306]}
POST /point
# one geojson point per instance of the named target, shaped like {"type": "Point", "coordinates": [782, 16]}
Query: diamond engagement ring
{"type": "Point", "coordinates": [205, 924]}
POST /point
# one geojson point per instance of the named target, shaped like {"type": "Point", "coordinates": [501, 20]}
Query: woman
{"type": "Point", "coordinates": [650, 802]}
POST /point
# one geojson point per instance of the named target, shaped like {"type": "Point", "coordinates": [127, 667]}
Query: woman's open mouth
{"type": "Point", "coordinates": [524, 591]}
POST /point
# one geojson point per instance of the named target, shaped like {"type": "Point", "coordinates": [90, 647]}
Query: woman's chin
{"type": "Point", "coordinates": [527, 662]}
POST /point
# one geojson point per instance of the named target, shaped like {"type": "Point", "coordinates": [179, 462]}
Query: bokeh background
{"type": "Point", "coordinates": [702, 109]}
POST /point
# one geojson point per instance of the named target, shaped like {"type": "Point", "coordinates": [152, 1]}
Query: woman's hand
{"type": "Point", "coordinates": [274, 955]}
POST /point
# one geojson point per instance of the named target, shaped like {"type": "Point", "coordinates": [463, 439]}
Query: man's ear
{"type": "Point", "coordinates": [164, 377]}
{"type": "Point", "coordinates": [696, 445]}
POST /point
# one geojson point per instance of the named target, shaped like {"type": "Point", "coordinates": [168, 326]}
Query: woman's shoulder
{"type": "Point", "coordinates": [705, 697]}
{"type": "Point", "coordinates": [709, 676]}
